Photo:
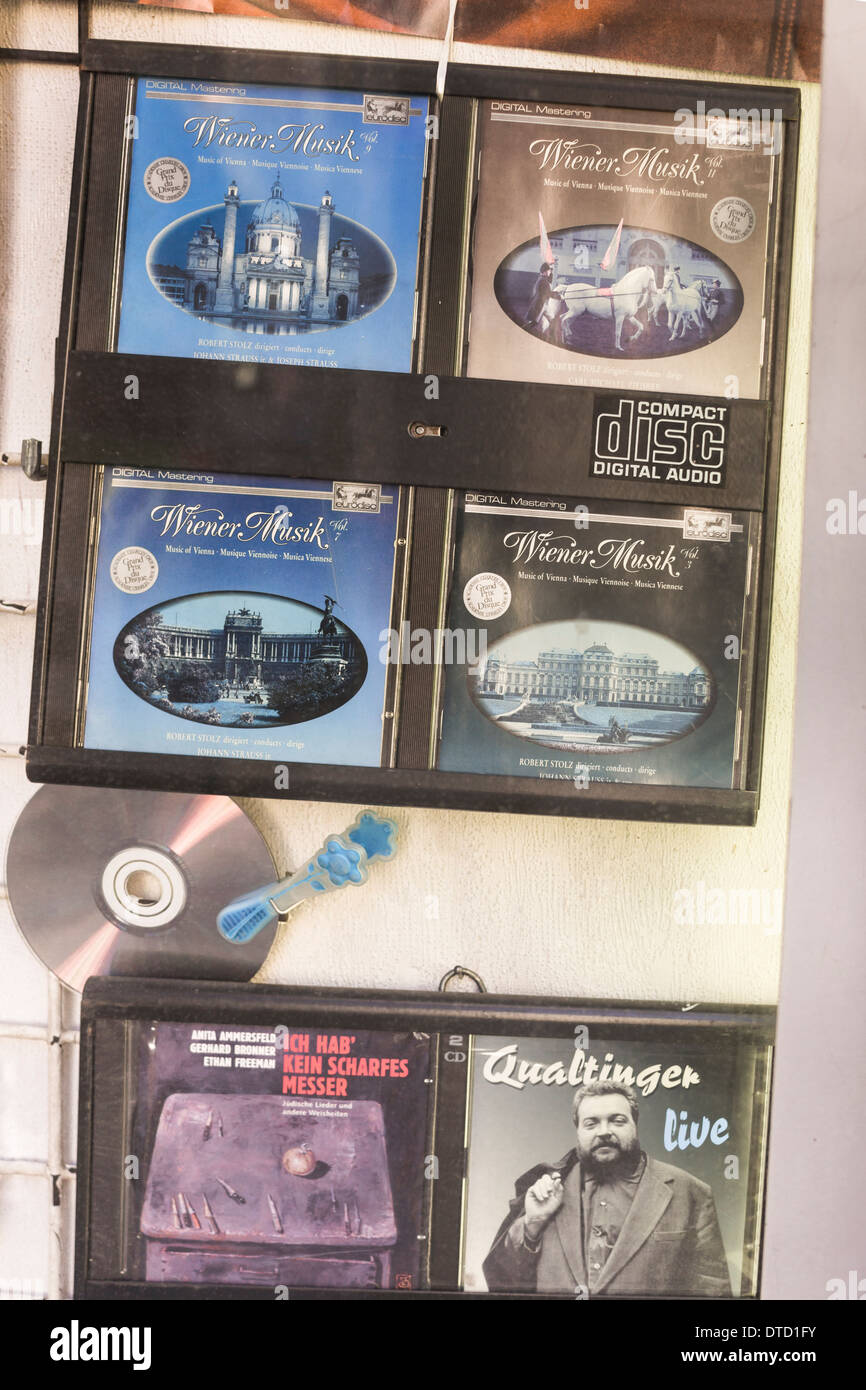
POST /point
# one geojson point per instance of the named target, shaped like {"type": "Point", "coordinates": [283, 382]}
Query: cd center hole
{"type": "Point", "coordinates": [143, 887]}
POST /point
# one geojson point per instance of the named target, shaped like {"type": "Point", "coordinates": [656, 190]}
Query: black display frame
{"type": "Point", "coordinates": [451, 1016]}
{"type": "Point", "coordinates": [486, 430]}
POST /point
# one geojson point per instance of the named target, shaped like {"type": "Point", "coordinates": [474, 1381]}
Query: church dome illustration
{"type": "Point", "coordinates": [275, 211]}
{"type": "Point", "coordinates": [271, 268]}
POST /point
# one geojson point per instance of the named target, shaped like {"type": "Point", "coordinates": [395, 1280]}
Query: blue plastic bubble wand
{"type": "Point", "coordinates": [340, 863]}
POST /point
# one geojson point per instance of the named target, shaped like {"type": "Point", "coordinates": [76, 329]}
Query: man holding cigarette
{"type": "Point", "coordinates": [607, 1219]}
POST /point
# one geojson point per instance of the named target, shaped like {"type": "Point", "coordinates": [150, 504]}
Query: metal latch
{"type": "Point", "coordinates": [29, 460]}
{"type": "Point", "coordinates": [419, 430]}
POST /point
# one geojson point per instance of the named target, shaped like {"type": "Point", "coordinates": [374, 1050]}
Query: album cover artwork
{"type": "Point", "coordinates": [240, 617]}
{"type": "Point", "coordinates": [273, 224]}
{"type": "Point", "coordinates": [763, 39]}
{"type": "Point", "coordinates": [600, 642]}
{"type": "Point", "coordinates": [279, 1156]}
{"type": "Point", "coordinates": [638, 254]}
{"type": "Point", "coordinates": [604, 1166]}
{"type": "Point", "coordinates": [428, 18]}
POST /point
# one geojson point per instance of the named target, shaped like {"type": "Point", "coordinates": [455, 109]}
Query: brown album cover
{"type": "Point", "coordinates": [768, 38]}
{"type": "Point", "coordinates": [427, 18]}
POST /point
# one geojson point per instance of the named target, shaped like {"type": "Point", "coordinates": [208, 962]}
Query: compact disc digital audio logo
{"type": "Point", "coordinates": [661, 441]}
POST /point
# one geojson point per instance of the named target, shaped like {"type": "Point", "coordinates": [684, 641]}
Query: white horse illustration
{"type": "Point", "coordinates": [620, 303]}
{"type": "Point", "coordinates": [657, 302]}
{"type": "Point", "coordinates": [685, 306]}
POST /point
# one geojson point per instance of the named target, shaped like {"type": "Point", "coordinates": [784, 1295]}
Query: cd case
{"type": "Point", "coordinates": [638, 255]}
{"type": "Point", "coordinates": [273, 224]}
{"type": "Point", "coordinates": [266, 1142]}
{"type": "Point", "coordinates": [604, 643]}
{"type": "Point", "coordinates": [343, 1204]}
{"type": "Point", "coordinates": [241, 617]}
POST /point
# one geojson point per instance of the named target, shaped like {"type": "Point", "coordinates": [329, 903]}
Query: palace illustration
{"type": "Point", "coordinates": [596, 676]}
{"type": "Point", "coordinates": [271, 277]}
{"type": "Point", "coordinates": [240, 652]}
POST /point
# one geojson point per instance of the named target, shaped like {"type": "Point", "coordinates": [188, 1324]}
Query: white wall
{"type": "Point", "coordinates": [535, 905]}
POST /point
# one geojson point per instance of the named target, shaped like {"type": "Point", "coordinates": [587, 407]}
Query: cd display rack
{"type": "Point", "coordinates": [282, 1194]}
{"type": "Point", "coordinates": [431, 430]}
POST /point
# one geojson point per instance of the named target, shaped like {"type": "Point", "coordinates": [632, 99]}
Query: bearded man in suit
{"type": "Point", "coordinates": [608, 1220]}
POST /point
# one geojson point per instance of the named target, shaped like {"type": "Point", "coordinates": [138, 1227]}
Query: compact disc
{"type": "Point", "coordinates": [106, 882]}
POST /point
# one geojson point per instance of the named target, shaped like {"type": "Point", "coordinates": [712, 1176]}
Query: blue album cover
{"type": "Point", "coordinates": [273, 224]}
{"type": "Point", "coordinates": [602, 642]}
{"type": "Point", "coordinates": [241, 617]}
